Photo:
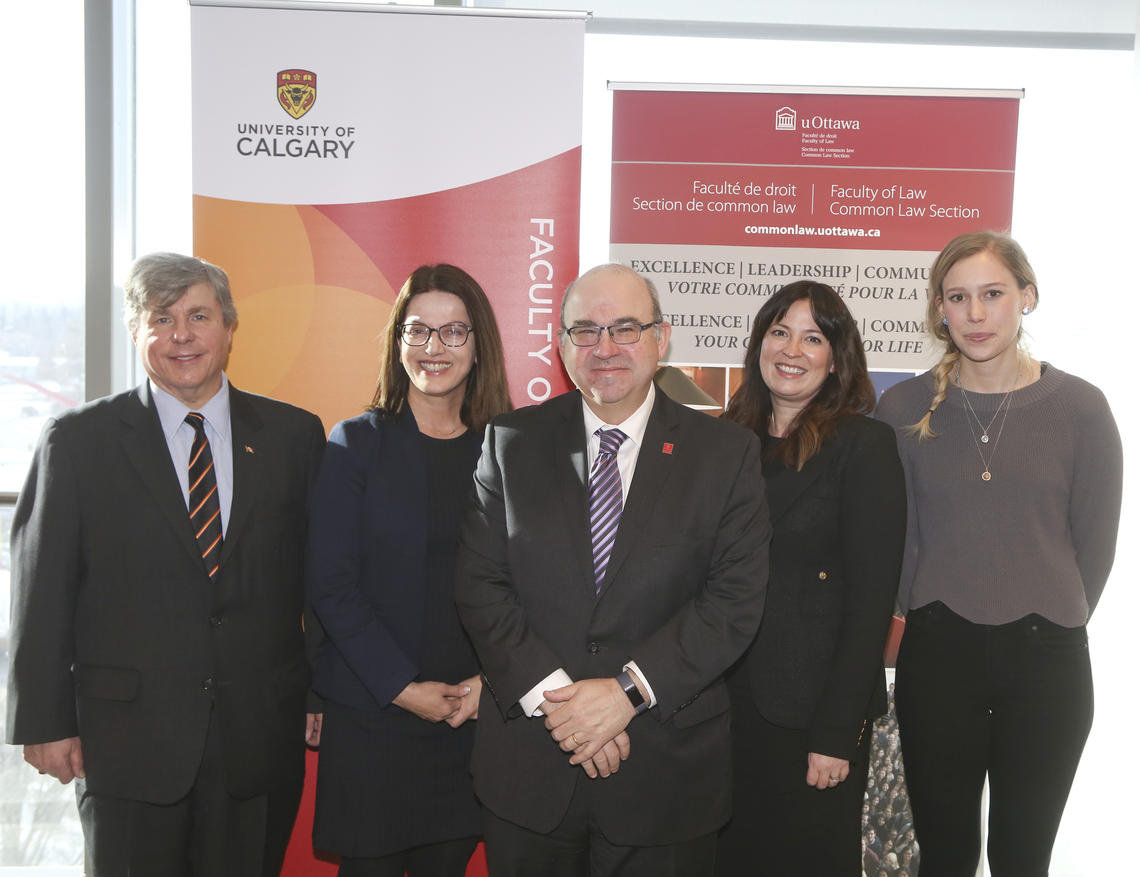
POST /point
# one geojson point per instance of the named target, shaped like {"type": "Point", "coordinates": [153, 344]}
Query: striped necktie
{"type": "Point", "coordinates": [205, 510]}
{"type": "Point", "coordinates": [605, 502]}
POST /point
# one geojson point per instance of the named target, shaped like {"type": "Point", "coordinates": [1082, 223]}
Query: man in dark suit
{"type": "Point", "coordinates": [645, 621]}
{"type": "Point", "coordinates": [157, 651]}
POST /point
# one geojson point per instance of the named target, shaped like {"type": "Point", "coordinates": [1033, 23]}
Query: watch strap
{"type": "Point", "coordinates": [625, 680]}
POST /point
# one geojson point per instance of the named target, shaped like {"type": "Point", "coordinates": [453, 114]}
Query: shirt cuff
{"type": "Point", "coordinates": [532, 700]}
{"type": "Point", "coordinates": [632, 665]}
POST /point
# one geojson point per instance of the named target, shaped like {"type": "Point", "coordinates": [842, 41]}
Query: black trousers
{"type": "Point", "coordinates": [1011, 701]}
{"type": "Point", "coordinates": [208, 833]}
{"type": "Point", "coordinates": [578, 848]}
{"type": "Point", "coordinates": [780, 825]}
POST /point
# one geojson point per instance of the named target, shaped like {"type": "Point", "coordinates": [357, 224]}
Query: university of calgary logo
{"type": "Point", "coordinates": [296, 91]}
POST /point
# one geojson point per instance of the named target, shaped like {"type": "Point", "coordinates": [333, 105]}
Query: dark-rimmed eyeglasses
{"type": "Point", "coordinates": [620, 333]}
{"type": "Point", "coordinates": [451, 334]}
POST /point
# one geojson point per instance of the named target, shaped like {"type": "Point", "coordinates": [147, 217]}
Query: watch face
{"type": "Point", "coordinates": [625, 680]}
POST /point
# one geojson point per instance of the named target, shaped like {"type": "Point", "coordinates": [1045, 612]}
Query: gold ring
{"type": "Point", "coordinates": [574, 737]}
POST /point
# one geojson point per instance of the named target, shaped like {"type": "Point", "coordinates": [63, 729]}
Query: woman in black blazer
{"type": "Point", "coordinates": [399, 677]}
{"type": "Point", "coordinates": [807, 691]}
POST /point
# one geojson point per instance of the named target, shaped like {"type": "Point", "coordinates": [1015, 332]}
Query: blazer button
{"type": "Point", "coordinates": [823, 575]}
{"type": "Point", "coordinates": [595, 648]}
{"type": "Point", "coordinates": [208, 683]}
{"type": "Point", "coordinates": [215, 621]}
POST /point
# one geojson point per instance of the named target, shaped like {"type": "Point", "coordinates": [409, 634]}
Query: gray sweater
{"type": "Point", "coordinates": [1040, 535]}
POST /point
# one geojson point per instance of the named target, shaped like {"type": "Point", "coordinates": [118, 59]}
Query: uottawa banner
{"type": "Point", "coordinates": [337, 149]}
{"type": "Point", "coordinates": [724, 195]}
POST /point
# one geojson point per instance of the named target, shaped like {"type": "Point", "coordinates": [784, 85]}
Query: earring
{"type": "Point", "coordinates": [945, 322]}
{"type": "Point", "coordinates": [1027, 310]}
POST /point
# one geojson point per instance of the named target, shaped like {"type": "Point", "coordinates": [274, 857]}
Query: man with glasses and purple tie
{"type": "Point", "coordinates": [612, 567]}
{"type": "Point", "coordinates": [157, 651]}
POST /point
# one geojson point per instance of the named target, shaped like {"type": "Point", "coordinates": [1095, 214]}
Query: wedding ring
{"type": "Point", "coordinates": [833, 780]}
{"type": "Point", "coordinates": [574, 737]}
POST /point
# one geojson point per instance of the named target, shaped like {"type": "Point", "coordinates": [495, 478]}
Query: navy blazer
{"type": "Point", "coordinates": [367, 542]}
{"type": "Point", "coordinates": [838, 527]}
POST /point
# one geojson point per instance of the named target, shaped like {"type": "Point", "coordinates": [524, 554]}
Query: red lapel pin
{"type": "Point", "coordinates": [667, 448]}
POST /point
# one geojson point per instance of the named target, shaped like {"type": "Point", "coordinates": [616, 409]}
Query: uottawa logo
{"type": "Point", "coordinates": [296, 91]}
{"type": "Point", "coordinates": [785, 119]}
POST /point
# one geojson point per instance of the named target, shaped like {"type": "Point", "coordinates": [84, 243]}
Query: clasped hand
{"type": "Point", "coordinates": [440, 702]}
{"type": "Point", "coordinates": [588, 718]}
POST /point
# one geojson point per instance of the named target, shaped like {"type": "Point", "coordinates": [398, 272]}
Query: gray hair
{"type": "Point", "coordinates": [158, 280]}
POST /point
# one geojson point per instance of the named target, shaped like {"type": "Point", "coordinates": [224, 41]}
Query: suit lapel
{"type": "Point", "coordinates": [571, 482]}
{"type": "Point", "coordinates": [245, 435]}
{"type": "Point", "coordinates": [783, 493]}
{"type": "Point", "coordinates": [655, 460]}
{"type": "Point", "coordinates": [148, 453]}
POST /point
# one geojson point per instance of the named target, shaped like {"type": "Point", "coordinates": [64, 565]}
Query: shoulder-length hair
{"type": "Point", "coordinates": [1010, 254]}
{"type": "Point", "coordinates": [486, 394]}
{"type": "Point", "coordinates": [845, 392]}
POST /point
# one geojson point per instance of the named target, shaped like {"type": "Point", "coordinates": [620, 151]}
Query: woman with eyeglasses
{"type": "Point", "coordinates": [806, 693]}
{"type": "Point", "coordinates": [397, 673]}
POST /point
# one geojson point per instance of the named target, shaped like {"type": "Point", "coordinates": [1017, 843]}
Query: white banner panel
{"type": "Point", "coordinates": [403, 103]}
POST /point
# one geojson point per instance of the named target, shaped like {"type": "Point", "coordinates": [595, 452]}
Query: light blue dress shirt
{"type": "Point", "coordinates": [180, 437]}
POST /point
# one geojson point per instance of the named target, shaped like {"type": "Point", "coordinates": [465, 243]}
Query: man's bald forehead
{"type": "Point", "coordinates": [598, 272]}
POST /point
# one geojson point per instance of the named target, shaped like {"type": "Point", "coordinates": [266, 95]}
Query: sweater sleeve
{"type": "Point", "coordinates": [1094, 504]}
{"type": "Point", "coordinates": [894, 409]}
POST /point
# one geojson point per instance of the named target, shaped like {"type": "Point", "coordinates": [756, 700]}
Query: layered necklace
{"type": "Point", "coordinates": [972, 418]}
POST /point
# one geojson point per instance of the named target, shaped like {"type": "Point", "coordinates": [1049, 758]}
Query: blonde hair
{"type": "Point", "coordinates": [962, 247]}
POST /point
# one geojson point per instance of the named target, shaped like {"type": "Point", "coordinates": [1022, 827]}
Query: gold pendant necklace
{"type": "Point", "coordinates": [972, 416]}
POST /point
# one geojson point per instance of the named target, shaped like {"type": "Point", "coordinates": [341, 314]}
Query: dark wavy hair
{"type": "Point", "coordinates": [845, 392]}
{"type": "Point", "coordinates": [486, 394]}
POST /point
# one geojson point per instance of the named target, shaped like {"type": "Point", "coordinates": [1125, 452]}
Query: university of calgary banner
{"type": "Point", "coordinates": [337, 149]}
{"type": "Point", "coordinates": [724, 196]}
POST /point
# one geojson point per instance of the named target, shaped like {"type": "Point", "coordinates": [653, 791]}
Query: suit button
{"type": "Point", "coordinates": [595, 648]}
{"type": "Point", "coordinates": [215, 621]}
{"type": "Point", "coordinates": [208, 683]}
{"type": "Point", "coordinates": [823, 575]}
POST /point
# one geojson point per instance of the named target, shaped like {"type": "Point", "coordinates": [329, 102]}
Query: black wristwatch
{"type": "Point", "coordinates": [625, 680]}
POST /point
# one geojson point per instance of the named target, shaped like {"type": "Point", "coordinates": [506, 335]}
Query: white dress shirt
{"type": "Point", "coordinates": [634, 429]}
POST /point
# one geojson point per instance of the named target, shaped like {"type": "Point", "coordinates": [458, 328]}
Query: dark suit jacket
{"type": "Point", "coordinates": [119, 636]}
{"type": "Point", "coordinates": [683, 595]}
{"type": "Point", "coordinates": [369, 538]}
{"type": "Point", "coordinates": [838, 530]}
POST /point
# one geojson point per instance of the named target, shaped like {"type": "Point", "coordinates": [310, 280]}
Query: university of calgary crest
{"type": "Point", "coordinates": [296, 91]}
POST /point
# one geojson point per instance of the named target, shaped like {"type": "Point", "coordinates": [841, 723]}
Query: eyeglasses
{"type": "Point", "coordinates": [451, 334]}
{"type": "Point", "coordinates": [620, 333]}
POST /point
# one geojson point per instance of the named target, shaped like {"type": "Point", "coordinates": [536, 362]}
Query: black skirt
{"type": "Point", "coordinates": [388, 781]}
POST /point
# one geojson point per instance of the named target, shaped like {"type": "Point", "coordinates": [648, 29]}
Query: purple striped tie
{"type": "Point", "coordinates": [605, 501]}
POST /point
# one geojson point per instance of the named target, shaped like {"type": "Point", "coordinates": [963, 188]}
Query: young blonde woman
{"type": "Point", "coordinates": [1013, 477]}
